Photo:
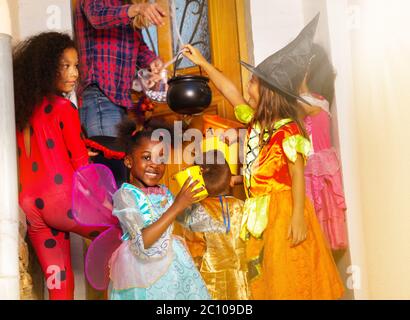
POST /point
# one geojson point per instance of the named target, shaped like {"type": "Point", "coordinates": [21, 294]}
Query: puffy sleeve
{"type": "Point", "coordinates": [294, 142]}
{"type": "Point", "coordinates": [197, 219]}
{"type": "Point", "coordinates": [244, 113]}
{"type": "Point", "coordinates": [132, 210]}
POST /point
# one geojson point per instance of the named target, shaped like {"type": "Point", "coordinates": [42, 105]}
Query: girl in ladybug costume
{"type": "Point", "coordinates": [50, 149]}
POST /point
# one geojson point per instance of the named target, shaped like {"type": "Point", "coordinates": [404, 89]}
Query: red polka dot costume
{"type": "Point", "coordinates": [45, 189]}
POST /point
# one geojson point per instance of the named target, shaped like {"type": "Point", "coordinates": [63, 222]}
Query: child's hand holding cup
{"type": "Point", "coordinates": [192, 186]}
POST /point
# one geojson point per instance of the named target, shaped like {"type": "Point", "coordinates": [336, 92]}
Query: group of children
{"type": "Point", "coordinates": [271, 246]}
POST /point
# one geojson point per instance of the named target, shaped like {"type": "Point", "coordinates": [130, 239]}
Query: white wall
{"type": "Point", "coordinates": [274, 23]}
{"type": "Point", "coordinates": [381, 74]}
{"type": "Point", "coordinates": [340, 47]}
{"type": "Point", "coordinates": [9, 272]}
{"type": "Point", "coordinates": [5, 20]}
{"type": "Point", "coordinates": [31, 17]}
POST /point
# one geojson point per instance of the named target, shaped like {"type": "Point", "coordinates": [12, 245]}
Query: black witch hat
{"type": "Point", "coordinates": [285, 70]}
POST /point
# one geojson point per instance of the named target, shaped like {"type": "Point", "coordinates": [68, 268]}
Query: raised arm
{"type": "Point", "coordinates": [222, 83]}
{"type": "Point", "coordinates": [185, 198]}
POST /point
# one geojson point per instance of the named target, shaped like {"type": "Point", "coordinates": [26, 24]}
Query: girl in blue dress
{"type": "Point", "coordinates": [151, 263]}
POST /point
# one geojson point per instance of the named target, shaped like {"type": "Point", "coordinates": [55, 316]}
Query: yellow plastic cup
{"type": "Point", "coordinates": [196, 174]}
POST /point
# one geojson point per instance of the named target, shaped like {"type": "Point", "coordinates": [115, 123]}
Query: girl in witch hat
{"type": "Point", "coordinates": [323, 175]}
{"type": "Point", "coordinates": [288, 256]}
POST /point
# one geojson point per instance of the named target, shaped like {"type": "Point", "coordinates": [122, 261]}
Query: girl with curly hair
{"type": "Point", "coordinates": [50, 149]}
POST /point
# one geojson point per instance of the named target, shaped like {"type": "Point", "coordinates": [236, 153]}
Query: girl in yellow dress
{"type": "Point", "coordinates": [288, 257]}
{"type": "Point", "coordinates": [212, 231]}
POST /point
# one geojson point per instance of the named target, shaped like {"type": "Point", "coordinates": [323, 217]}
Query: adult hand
{"type": "Point", "coordinates": [156, 66]}
{"type": "Point", "coordinates": [150, 11]}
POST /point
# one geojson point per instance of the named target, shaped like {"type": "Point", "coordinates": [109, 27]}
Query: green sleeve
{"type": "Point", "coordinates": [244, 113]}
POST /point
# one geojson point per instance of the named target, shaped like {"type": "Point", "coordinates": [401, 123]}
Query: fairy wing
{"type": "Point", "coordinates": [93, 189]}
{"type": "Point", "coordinates": [98, 256]}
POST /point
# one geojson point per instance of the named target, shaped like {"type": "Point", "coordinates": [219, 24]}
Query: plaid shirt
{"type": "Point", "coordinates": [109, 48]}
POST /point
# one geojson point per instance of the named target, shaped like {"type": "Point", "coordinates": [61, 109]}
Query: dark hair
{"type": "Point", "coordinates": [321, 75]}
{"type": "Point", "coordinates": [216, 175]}
{"type": "Point", "coordinates": [131, 133]}
{"type": "Point", "coordinates": [273, 106]}
{"type": "Point", "coordinates": [35, 69]}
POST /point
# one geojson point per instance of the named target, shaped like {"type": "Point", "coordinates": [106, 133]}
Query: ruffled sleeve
{"type": "Point", "coordinates": [244, 113]}
{"type": "Point", "coordinates": [197, 219]}
{"type": "Point", "coordinates": [132, 209]}
{"type": "Point", "coordinates": [294, 144]}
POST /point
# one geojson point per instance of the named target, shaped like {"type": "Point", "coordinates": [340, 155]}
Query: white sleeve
{"type": "Point", "coordinates": [197, 219]}
{"type": "Point", "coordinates": [128, 212]}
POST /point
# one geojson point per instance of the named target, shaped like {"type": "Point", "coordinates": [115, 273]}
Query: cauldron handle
{"type": "Point", "coordinates": [175, 64]}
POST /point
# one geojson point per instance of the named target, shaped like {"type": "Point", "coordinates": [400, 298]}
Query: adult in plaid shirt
{"type": "Point", "coordinates": [110, 48]}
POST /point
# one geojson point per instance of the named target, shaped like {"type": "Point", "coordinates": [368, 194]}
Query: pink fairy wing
{"type": "Point", "coordinates": [98, 256]}
{"type": "Point", "coordinates": [93, 189]}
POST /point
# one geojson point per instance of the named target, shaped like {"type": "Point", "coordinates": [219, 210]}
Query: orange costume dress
{"type": "Point", "coordinates": [212, 237]}
{"type": "Point", "coordinates": [276, 269]}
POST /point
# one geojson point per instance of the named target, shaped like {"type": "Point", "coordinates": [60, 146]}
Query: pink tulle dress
{"type": "Point", "coordinates": [323, 175]}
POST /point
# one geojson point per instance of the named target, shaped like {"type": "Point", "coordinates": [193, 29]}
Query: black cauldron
{"type": "Point", "coordinates": [189, 94]}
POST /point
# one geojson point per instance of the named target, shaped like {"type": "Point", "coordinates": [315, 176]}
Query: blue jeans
{"type": "Point", "coordinates": [99, 116]}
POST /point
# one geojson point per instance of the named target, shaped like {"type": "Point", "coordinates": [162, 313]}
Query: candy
{"type": "Point", "coordinates": [158, 96]}
{"type": "Point", "coordinates": [155, 91]}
